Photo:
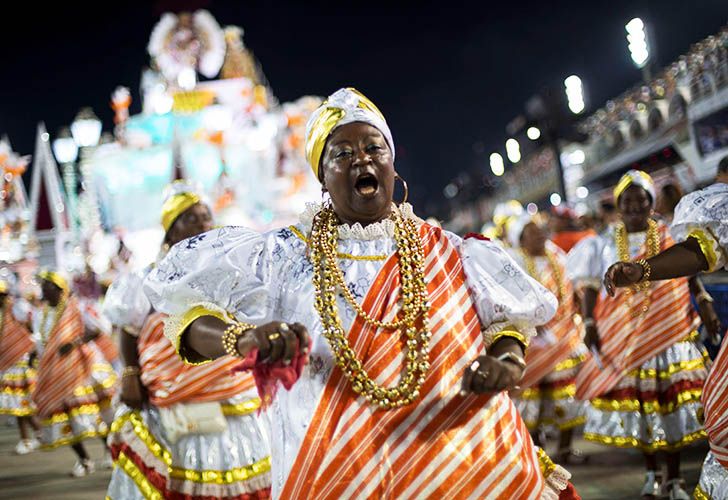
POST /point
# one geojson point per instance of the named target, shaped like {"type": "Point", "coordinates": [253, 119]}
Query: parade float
{"type": "Point", "coordinates": [209, 116]}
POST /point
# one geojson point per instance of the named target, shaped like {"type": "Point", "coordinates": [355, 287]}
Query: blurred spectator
{"type": "Point", "coordinates": [667, 200]}
{"type": "Point", "coordinates": [606, 215]}
{"type": "Point", "coordinates": [564, 231]}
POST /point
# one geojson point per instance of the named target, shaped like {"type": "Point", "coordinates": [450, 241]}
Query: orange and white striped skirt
{"type": "Point", "coordinates": [16, 386]}
{"type": "Point", "coordinates": [656, 406]}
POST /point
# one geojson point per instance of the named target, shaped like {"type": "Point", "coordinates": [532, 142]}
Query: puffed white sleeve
{"type": "Point", "coordinates": [584, 263]}
{"type": "Point", "coordinates": [508, 301]}
{"type": "Point", "coordinates": [126, 305]}
{"type": "Point", "coordinates": [223, 273]}
{"type": "Point", "coordinates": [22, 311]}
{"type": "Point", "coordinates": [703, 215]}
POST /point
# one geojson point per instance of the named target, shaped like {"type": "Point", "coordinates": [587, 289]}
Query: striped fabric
{"type": "Point", "coordinates": [15, 339]}
{"type": "Point", "coordinates": [627, 342]}
{"type": "Point", "coordinates": [542, 359]}
{"type": "Point", "coordinates": [445, 445]}
{"type": "Point", "coordinates": [59, 376]}
{"type": "Point", "coordinates": [715, 403]}
{"type": "Point", "coordinates": [171, 381]}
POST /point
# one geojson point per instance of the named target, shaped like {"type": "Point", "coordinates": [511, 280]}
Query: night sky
{"type": "Point", "coordinates": [448, 76]}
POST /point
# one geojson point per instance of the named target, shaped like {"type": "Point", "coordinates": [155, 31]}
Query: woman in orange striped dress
{"type": "Point", "coordinates": [17, 375]}
{"type": "Point", "coordinates": [646, 381]}
{"type": "Point", "coordinates": [547, 399]}
{"type": "Point", "coordinates": [416, 335]}
{"type": "Point", "coordinates": [75, 382]}
{"type": "Point", "coordinates": [155, 453]}
{"type": "Point", "coordinates": [701, 226]}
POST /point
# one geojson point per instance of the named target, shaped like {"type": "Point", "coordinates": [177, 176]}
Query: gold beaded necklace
{"type": "Point", "coordinates": [555, 269]}
{"type": "Point", "coordinates": [652, 242]}
{"type": "Point", "coordinates": [412, 318]}
{"type": "Point", "coordinates": [58, 310]}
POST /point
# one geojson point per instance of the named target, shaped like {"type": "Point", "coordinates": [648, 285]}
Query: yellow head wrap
{"type": "Point", "coordinates": [342, 107]}
{"type": "Point", "coordinates": [55, 278]}
{"type": "Point", "coordinates": [179, 196]}
{"type": "Point", "coordinates": [637, 177]}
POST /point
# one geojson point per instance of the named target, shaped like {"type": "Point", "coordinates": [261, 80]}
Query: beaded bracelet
{"type": "Point", "coordinates": [646, 270]}
{"type": "Point", "coordinates": [231, 335]}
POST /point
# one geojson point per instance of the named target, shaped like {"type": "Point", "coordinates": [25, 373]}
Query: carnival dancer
{"type": "Point", "coordinates": [548, 388]}
{"type": "Point", "coordinates": [227, 453]}
{"type": "Point", "coordinates": [647, 375]}
{"type": "Point", "coordinates": [75, 383]}
{"type": "Point", "coordinates": [399, 398]}
{"type": "Point", "coordinates": [701, 227]}
{"type": "Point", "coordinates": [17, 375]}
{"type": "Point", "coordinates": [88, 291]}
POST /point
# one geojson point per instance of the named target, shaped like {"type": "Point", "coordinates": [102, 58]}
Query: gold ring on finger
{"type": "Point", "coordinates": [274, 336]}
{"type": "Point", "coordinates": [283, 328]}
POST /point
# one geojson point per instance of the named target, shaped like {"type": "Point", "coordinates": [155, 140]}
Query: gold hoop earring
{"type": "Point", "coordinates": [404, 185]}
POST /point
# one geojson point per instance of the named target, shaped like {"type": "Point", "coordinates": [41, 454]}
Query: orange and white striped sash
{"type": "Point", "coordinates": [58, 375]}
{"type": "Point", "coordinates": [170, 381]}
{"type": "Point", "coordinates": [103, 341]}
{"type": "Point", "coordinates": [628, 342]}
{"type": "Point", "coordinates": [541, 359]}
{"type": "Point", "coordinates": [15, 338]}
{"type": "Point", "coordinates": [715, 404]}
{"type": "Point", "coordinates": [442, 446]}
{"type": "Point", "coordinates": [107, 347]}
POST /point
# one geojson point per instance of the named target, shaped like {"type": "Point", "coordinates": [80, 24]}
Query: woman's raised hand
{"type": "Point", "coordinates": [278, 341]}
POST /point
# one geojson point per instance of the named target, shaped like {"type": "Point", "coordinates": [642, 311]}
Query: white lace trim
{"type": "Point", "coordinates": [556, 482]}
{"type": "Point", "coordinates": [375, 231]}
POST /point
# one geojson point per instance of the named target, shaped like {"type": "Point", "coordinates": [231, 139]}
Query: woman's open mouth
{"type": "Point", "coordinates": [366, 185]}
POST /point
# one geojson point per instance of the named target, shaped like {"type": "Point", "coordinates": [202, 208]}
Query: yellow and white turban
{"type": "Point", "coordinates": [55, 277]}
{"type": "Point", "coordinates": [342, 107]}
{"type": "Point", "coordinates": [178, 197]}
{"type": "Point", "coordinates": [638, 178]}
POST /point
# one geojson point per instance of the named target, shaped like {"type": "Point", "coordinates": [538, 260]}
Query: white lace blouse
{"type": "Point", "coordinates": [703, 215]}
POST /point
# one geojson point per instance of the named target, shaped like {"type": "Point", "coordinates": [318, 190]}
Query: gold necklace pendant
{"type": "Point", "coordinates": [652, 245]}
{"type": "Point", "coordinates": [411, 321]}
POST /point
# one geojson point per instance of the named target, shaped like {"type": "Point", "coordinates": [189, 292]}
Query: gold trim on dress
{"type": "Point", "coordinates": [513, 334]}
{"type": "Point", "coordinates": [672, 369]}
{"type": "Point", "coordinates": [535, 393]}
{"type": "Point", "coordinates": [130, 469]}
{"type": "Point", "coordinates": [707, 247]}
{"type": "Point", "coordinates": [83, 410]}
{"type": "Point", "coordinates": [699, 494]}
{"type": "Point", "coordinates": [17, 413]}
{"type": "Point", "coordinates": [241, 409]}
{"type": "Point", "coordinates": [188, 318]}
{"type": "Point", "coordinates": [630, 442]}
{"type": "Point", "coordinates": [647, 407]}
{"type": "Point", "coordinates": [140, 429]}
{"type": "Point", "coordinates": [74, 439]}
{"type": "Point", "coordinates": [570, 363]}
{"type": "Point", "coordinates": [235, 475]}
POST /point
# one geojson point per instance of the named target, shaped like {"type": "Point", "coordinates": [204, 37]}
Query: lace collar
{"type": "Point", "coordinates": [375, 231]}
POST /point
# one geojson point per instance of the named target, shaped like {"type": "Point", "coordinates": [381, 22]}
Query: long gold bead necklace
{"type": "Point", "coordinates": [652, 243]}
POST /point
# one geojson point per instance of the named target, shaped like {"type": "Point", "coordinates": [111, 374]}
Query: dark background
{"type": "Point", "coordinates": [449, 76]}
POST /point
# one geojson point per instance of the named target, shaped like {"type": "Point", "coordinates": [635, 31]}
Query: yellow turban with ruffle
{"type": "Point", "coordinates": [55, 278]}
{"type": "Point", "coordinates": [342, 107]}
{"type": "Point", "coordinates": [179, 196]}
{"type": "Point", "coordinates": [638, 178]}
